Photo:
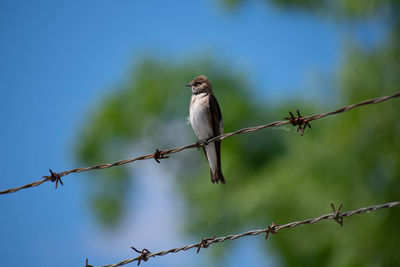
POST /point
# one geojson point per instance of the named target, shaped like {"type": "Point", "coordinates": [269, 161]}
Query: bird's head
{"type": "Point", "coordinates": [200, 84]}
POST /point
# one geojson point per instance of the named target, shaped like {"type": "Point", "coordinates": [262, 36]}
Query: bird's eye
{"type": "Point", "coordinates": [197, 84]}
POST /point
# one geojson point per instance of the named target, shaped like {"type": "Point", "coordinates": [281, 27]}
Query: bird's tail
{"type": "Point", "coordinates": [217, 176]}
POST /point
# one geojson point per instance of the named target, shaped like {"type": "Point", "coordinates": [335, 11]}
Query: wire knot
{"type": "Point", "coordinates": [54, 177]}
{"type": "Point", "coordinates": [143, 254]}
{"type": "Point", "coordinates": [270, 229]}
{"type": "Point", "coordinates": [159, 155]}
{"type": "Point", "coordinates": [205, 242]}
{"type": "Point", "coordinates": [300, 122]}
{"type": "Point", "coordinates": [336, 214]}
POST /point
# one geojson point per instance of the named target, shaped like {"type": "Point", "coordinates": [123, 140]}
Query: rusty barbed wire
{"type": "Point", "coordinates": [272, 228]}
{"type": "Point", "coordinates": [300, 121]}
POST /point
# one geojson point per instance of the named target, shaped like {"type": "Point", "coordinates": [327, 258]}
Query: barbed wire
{"type": "Point", "coordinates": [336, 215]}
{"type": "Point", "coordinates": [299, 121]}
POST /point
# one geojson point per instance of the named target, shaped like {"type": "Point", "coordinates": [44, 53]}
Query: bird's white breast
{"type": "Point", "coordinates": [199, 116]}
{"type": "Point", "coordinates": [201, 124]}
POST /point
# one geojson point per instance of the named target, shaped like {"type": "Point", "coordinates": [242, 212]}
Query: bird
{"type": "Point", "coordinates": [206, 120]}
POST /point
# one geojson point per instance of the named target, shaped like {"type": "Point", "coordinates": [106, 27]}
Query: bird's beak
{"type": "Point", "coordinates": [188, 85]}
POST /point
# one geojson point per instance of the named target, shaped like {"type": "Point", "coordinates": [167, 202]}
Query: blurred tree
{"type": "Point", "coordinates": [352, 158]}
{"type": "Point", "coordinates": [349, 9]}
{"type": "Point", "coordinates": [154, 100]}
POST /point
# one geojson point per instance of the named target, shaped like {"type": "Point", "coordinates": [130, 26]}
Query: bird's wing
{"type": "Point", "coordinates": [215, 115]}
{"type": "Point", "coordinates": [217, 127]}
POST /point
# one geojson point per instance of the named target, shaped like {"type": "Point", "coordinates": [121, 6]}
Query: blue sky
{"type": "Point", "coordinates": [58, 58]}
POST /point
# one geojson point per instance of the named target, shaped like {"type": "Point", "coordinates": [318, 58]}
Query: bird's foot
{"type": "Point", "coordinates": [201, 143]}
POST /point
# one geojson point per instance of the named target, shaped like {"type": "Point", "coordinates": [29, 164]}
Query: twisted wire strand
{"type": "Point", "coordinates": [336, 215]}
{"type": "Point", "coordinates": [162, 154]}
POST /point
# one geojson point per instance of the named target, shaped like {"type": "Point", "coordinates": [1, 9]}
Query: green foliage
{"type": "Point", "coordinates": [153, 99]}
{"type": "Point", "coordinates": [348, 9]}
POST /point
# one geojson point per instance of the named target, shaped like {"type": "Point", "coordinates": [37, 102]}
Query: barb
{"type": "Point", "coordinates": [338, 218]}
{"type": "Point", "coordinates": [204, 243]}
{"type": "Point", "coordinates": [270, 229]}
{"type": "Point", "coordinates": [87, 263]}
{"type": "Point", "coordinates": [301, 122]}
{"type": "Point", "coordinates": [159, 155]}
{"type": "Point", "coordinates": [273, 228]}
{"type": "Point", "coordinates": [143, 254]}
{"type": "Point", "coordinates": [54, 177]}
